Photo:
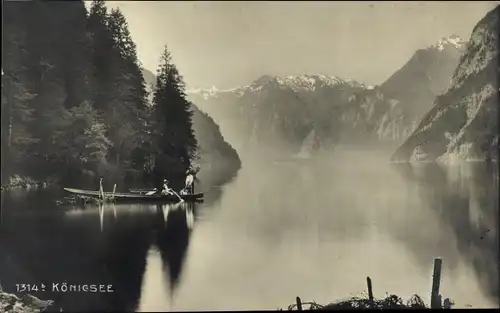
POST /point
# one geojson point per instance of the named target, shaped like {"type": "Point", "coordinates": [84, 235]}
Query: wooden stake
{"type": "Point", "coordinates": [436, 281]}
{"type": "Point", "coordinates": [370, 291]}
{"type": "Point", "coordinates": [299, 304]}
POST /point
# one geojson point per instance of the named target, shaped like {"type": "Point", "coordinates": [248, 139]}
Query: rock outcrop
{"type": "Point", "coordinates": [463, 123]}
{"type": "Point", "coordinates": [10, 303]}
{"type": "Point", "coordinates": [391, 111]}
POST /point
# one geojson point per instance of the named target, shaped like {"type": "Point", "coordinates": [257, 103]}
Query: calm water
{"type": "Point", "coordinates": [275, 232]}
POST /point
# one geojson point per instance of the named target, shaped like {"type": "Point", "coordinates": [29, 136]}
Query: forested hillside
{"type": "Point", "coordinates": [75, 104]}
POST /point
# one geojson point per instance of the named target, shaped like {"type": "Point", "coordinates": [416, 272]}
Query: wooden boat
{"type": "Point", "coordinates": [141, 191]}
{"type": "Point", "coordinates": [135, 197]}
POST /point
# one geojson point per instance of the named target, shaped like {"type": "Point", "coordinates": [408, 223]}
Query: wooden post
{"type": "Point", "coordinates": [436, 281]}
{"type": "Point", "coordinates": [370, 291]}
{"type": "Point", "coordinates": [299, 304]}
{"type": "Point", "coordinates": [447, 304]}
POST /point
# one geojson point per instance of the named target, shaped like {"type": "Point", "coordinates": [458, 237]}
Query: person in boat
{"type": "Point", "coordinates": [166, 189]}
{"type": "Point", "coordinates": [189, 184]}
{"type": "Point", "coordinates": [169, 191]}
{"type": "Point", "coordinates": [183, 192]}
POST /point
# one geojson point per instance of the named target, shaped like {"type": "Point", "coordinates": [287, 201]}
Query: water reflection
{"type": "Point", "coordinates": [172, 241]}
{"type": "Point", "coordinates": [309, 229]}
{"type": "Point", "coordinates": [105, 244]}
{"type": "Point", "coordinates": [464, 199]}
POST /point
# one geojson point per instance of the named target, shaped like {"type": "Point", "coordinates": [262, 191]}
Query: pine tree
{"type": "Point", "coordinates": [17, 141]}
{"type": "Point", "coordinates": [102, 56]}
{"type": "Point", "coordinates": [126, 114]}
{"type": "Point", "coordinates": [74, 49]}
{"type": "Point", "coordinates": [48, 70]}
{"type": "Point", "coordinates": [136, 97]}
{"type": "Point", "coordinates": [174, 137]}
{"type": "Point", "coordinates": [74, 96]}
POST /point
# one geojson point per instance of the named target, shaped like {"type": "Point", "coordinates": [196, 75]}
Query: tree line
{"type": "Point", "coordinates": [75, 103]}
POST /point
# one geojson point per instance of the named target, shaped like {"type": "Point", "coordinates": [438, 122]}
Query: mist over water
{"type": "Point", "coordinates": [313, 228]}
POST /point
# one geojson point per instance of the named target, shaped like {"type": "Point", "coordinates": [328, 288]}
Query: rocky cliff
{"type": "Point", "coordinates": [391, 111]}
{"type": "Point", "coordinates": [463, 122]}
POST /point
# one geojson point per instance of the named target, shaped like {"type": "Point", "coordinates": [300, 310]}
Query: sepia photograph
{"type": "Point", "coordinates": [166, 156]}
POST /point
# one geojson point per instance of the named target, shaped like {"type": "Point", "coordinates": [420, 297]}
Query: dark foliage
{"type": "Point", "coordinates": [75, 103]}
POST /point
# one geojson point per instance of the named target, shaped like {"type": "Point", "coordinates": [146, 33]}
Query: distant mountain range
{"type": "Point", "coordinates": [463, 122]}
{"type": "Point", "coordinates": [218, 160]}
{"type": "Point", "coordinates": [279, 113]}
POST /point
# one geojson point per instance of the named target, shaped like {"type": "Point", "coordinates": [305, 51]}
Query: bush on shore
{"type": "Point", "coordinates": [26, 182]}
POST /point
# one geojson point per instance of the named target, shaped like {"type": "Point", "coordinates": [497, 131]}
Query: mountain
{"type": "Point", "coordinates": [217, 159]}
{"type": "Point", "coordinates": [463, 122]}
{"type": "Point", "coordinates": [391, 111]}
{"type": "Point", "coordinates": [279, 113]}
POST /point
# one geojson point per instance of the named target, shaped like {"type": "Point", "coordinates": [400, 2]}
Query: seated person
{"type": "Point", "coordinates": [166, 189]}
{"type": "Point", "coordinates": [169, 191]}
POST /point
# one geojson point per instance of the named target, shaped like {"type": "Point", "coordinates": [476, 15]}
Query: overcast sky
{"type": "Point", "coordinates": [227, 44]}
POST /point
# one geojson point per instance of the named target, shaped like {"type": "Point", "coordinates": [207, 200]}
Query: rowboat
{"type": "Point", "coordinates": [135, 197]}
{"type": "Point", "coordinates": [141, 191]}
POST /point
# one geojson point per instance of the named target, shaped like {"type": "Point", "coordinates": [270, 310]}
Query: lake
{"type": "Point", "coordinates": [314, 229]}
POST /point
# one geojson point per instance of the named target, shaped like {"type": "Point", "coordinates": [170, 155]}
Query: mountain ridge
{"type": "Point", "coordinates": [452, 41]}
{"type": "Point", "coordinates": [340, 110]}
{"type": "Point", "coordinates": [304, 82]}
{"type": "Point", "coordinates": [462, 123]}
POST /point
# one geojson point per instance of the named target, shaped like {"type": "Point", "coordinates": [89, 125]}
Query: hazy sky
{"type": "Point", "coordinates": [227, 44]}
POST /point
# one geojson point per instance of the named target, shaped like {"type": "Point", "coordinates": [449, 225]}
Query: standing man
{"type": "Point", "coordinates": [189, 181]}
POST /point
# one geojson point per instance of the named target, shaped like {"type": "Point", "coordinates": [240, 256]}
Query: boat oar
{"type": "Point", "coordinates": [175, 193]}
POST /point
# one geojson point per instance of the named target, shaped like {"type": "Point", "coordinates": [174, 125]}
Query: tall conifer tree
{"type": "Point", "coordinates": [174, 135]}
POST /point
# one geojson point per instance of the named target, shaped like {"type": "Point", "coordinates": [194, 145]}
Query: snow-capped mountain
{"type": "Point", "coordinates": [278, 112]}
{"type": "Point", "coordinates": [463, 123]}
{"type": "Point", "coordinates": [391, 111]}
{"type": "Point", "coordinates": [300, 83]}
{"type": "Point", "coordinates": [281, 111]}
{"type": "Point", "coordinates": [452, 41]}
